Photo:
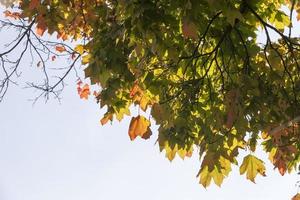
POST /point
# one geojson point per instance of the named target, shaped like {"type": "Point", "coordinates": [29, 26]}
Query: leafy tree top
{"type": "Point", "coordinates": [196, 66]}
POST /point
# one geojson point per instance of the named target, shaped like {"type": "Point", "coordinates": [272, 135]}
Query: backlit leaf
{"type": "Point", "coordinates": [252, 166]}
{"type": "Point", "coordinates": [139, 126]}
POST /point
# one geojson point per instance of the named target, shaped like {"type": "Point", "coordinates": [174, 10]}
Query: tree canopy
{"type": "Point", "coordinates": [194, 66]}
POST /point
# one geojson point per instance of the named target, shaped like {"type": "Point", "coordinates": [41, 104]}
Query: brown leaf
{"type": "Point", "coordinates": [62, 35]}
{"type": "Point", "coordinates": [232, 109]}
{"type": "Point", "coordinates": [280, 163]}
{"type": "Point", "coordinates": [139, 126]}
{"type": "Point", "coordinates": [148, 134]}
{"type": "Point", "coordinates": [41, 25]}
{"type": "Point", "coordinates": [33, 4]}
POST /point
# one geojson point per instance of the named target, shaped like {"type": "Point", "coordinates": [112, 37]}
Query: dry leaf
{"type": "Point", "coordinates": [139, 126]}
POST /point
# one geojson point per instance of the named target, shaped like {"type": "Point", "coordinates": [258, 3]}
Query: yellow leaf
{"type": "Point", "coordinates": [217, 176]}
{"type": "Point", "coordinates": [144, 103]}
{"type": "Point", "coordinates": [79, 49]}
{"type": "Point", "coordinates": [205, 177]}
{"type": "Point", "coordinates": [252, 166]}
{"type": "Point", "coordinates": [86, 59]}
{"type": "Point", "coordinates": [120, 114]}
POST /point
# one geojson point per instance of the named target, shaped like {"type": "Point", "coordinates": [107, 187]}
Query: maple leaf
{"type": "Point", "coordinates": [205, 177]}
{"type": "Point", "coordinates": [280, 163]}
{"type": "Point", "coordinates": [139, 126]}
{"type": "Point", "coordinates": [253, 166]}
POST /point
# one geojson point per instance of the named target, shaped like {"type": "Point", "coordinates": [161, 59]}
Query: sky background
{"type": "Point", "coordinates": [59, 151]}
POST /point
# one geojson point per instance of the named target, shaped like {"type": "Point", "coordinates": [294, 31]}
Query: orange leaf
{"type": "Point", "coordinates": [14, 15]}
{"type": "Point", "coordinates": [60, 49]}
{"type": "Point", "coordinates": [135, 89]}
{"type": "Point", "coordinates": [139, 126]}
{"type": "Point", "coordinates": [106, 118]}
{"type": "Point", "coordinates": [40, 30]}
{"type": "Point", "coordinates": [84, 92]}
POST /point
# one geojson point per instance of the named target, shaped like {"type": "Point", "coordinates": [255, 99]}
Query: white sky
{"type": "Point", "coordinates": [60, 152]}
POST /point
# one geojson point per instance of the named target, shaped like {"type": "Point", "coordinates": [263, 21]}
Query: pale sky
{"type": "Point", "coordinates": [60, 151]}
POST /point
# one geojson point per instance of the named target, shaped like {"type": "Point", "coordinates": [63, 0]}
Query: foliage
{"type": "Point", "coordinates": [196, 66]}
